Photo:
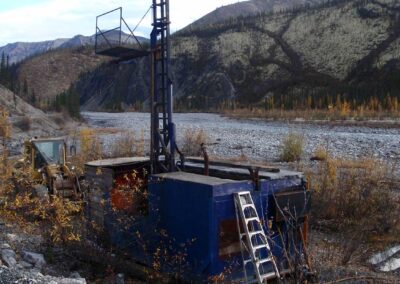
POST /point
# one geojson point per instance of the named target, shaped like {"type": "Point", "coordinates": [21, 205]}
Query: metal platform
{"type": "Point", "coordinates": [119, 42]}
{"type": "Point", "coordinates": [118, 162]}
{"type": "Point", "coordinates": [122, 52]}
{"type": "Point", "coordinates": [239, 171]}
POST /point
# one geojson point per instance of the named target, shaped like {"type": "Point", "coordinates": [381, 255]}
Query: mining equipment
{"type": "Point", "coordinates": [51, 173]}
{"type": "Point", "coordinates": [197, 219]}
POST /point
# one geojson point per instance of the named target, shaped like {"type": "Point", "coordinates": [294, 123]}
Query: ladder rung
{"type": "Point", "coordinates": [248, 206]}
{"type": "Point", "coordinates": [243, 201]}
{"type": "Point", "coordinates": [265, 260]}
{"type": "Point", "coordinates": [247, 261]}
{"type": "Point", "coordinates": [255, 233]}
{"type": "Point", "coordinates": [269, 275]}
{"type": "Point", "coordinates": [260, 247]}
{"type": "Point", "coordinates": [265, 276]}
{"type": "Point", "coordinates": [251, 219]}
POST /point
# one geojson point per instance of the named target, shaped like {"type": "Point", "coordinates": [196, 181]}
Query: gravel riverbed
{"type": "Point", "coordinates": [260, 140]}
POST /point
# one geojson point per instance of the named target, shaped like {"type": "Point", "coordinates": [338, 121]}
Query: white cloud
{"type": "Point", "coordinates": [66, 18]}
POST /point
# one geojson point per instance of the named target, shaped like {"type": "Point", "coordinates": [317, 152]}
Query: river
{"type": "Point", "coordinates": [260, 140]}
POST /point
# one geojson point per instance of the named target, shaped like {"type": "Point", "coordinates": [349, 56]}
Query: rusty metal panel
{"type": "Point", "coordinates": [290, 205]}
{"type": "Point", "coordinates": [99, 181]}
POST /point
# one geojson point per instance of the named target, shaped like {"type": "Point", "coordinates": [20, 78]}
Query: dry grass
{"type": "Point", "coordinates": [330, 115]}
{"type": "Point", "coordinates": [90, 149]}
{"type": "Point", "coordinates": [128, 145]}
{"type": "Point", "coordinates": [292, 148]}
{"type": "Point", "coordinates": [320, 153]}
{"type": "Point", "coordinates": [355, 200]}
{"type": "Point", "coordinates": [192, 140]}
{"type": "Point", "coordinates": [19, 204]}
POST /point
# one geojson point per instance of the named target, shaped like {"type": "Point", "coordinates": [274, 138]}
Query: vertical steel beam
{"type": "Point", "coordinates": [162, 127]}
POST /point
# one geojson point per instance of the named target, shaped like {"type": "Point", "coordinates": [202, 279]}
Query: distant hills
{"type": "Point", "coordinates": [19, 51]}
{"type": "Point", "coordinates": [339, 53]}
{"type": "Point", "coordinates": [305, 54]}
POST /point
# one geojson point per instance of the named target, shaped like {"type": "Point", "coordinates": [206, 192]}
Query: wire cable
{"type": "Point", "coordinates": [141, 20]}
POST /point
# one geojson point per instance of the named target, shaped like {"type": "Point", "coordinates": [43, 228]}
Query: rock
{"type": "Point", "coordinates": [8, 256]}
{"type": "Point", "coordinates": [75, 275]}
{"type": "Point", "coordinates": [5, 246]}
{"type": "Point", "coordinates": [41, 192]}
{"type": "Point", "coordinates": [33, 276]}
{"type": "Point", "coordinates": [385, 255]}
{"type": "Point", "coordinates": [71, 281]}
{"type": "Point", "coordinates": [120, 278]}
{"type": "Point", "coordinates": [24, 265]}
{"type": "Point", "coordinates": [36, 259]}
{"type": "Point", "coordinates": [13, 238]}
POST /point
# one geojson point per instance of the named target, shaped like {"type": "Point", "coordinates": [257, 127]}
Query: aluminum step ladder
{"type": "Point", "coordinates": [253, 241]}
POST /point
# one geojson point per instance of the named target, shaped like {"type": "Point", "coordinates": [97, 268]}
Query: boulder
{"type": "Point", "coordinates": [5, 246]}
{"type": "Point", "coordinates": [75, 275]}
{"type": "Point", "coordinates": [71, 281]}
{"type": "Point", "coordinates": [8, 256]}
{"type": "Point", "coordinates": [24, 265]}
{"type": "Point", "coordinates": [13, 238]}
{"type": "Point", "coordinates": [34, 258]}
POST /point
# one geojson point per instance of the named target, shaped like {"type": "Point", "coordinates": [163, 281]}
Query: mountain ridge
{"type": "Point", "coordinates": [314, 54]}
{"type": "Point", "coordinates": [19, 51]}
{"type": "Point", "coordinates": [248, 8]}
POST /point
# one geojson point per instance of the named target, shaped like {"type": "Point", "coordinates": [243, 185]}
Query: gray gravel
{"type": "Point", "coordinates": [259, 139]}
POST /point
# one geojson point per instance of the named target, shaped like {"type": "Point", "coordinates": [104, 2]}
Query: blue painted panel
{"type": "Point", "coordinates": [185, 217]}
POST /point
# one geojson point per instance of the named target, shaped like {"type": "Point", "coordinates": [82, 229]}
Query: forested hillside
{"type": "Point", "coordinates": [338, 54]}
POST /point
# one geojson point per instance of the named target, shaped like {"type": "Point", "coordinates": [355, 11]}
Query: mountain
{"type": "Point", "coordinates": [18, 51]}
{"type": "Point", "coordinates": [247, 8]}
{"type": "Point", "coordinates": [316, 56]}
{"type": "Point", "coordinates": [21, 50]}
{"type": "Point", "coordinates": [53, 72]}
{"type": "Point", "coordinates": [26, 120]}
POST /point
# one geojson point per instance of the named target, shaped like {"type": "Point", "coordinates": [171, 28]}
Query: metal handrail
{"type": "Point", "coordinates": [100, 33]}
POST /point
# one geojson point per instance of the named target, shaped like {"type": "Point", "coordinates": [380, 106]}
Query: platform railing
{"type": "Point", "coordinates": [115, 37]}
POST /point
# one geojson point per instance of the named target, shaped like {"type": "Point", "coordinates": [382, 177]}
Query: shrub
{"type": "Point", "coordinates": [355, 199]}
{"type": "Point", "coordinates": [320, 154]}
{"type": "Point", "coordinates": [5, 126]}
{"type": "Point", "coordinates": [90, 149]}
{"type": "Point", "coordinates": [124, 145]}
{"type": "Point", "coordinates": [292, 148]}
{"type": "Point", "coordinates": [192, 140]}
{"type": "Point", "coordinates": [24, 123]}
{"type": "Point", "coordinates": [61, 118]}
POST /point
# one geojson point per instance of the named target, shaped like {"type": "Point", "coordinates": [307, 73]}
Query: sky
{"type": "Point", "coordinates": [39, 20]}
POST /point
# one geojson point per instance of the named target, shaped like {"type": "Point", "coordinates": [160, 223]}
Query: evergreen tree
{"type": "Point", "coordinates": [15, 100]}
{"type": "Point", "coordinates": [33, 97]}
{"type": "Point", "coordinates": [25, 89]}
{"type": "Point", "coordinates": [2, 63]}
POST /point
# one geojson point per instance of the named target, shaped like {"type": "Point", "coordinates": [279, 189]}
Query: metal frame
{"type": "Point", "coordinates": [163, 143]}
{"type": "Point", "coordinates": [102, 34]}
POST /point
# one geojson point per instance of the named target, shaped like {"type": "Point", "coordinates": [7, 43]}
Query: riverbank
{"type": "Point", "coordinates": [258, 139]}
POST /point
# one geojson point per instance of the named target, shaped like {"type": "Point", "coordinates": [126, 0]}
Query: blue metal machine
{"type": "Point", "coordinates": [190, 218]}
{"type": "Point", "coordinates": [181, 217]}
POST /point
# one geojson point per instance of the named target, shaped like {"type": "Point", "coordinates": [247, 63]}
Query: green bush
{"type": "Point", "coordinates": [292, 148]}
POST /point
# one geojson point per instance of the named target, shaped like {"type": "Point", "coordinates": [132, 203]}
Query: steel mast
{"type": "Point", "coordinates": [162, 152]}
